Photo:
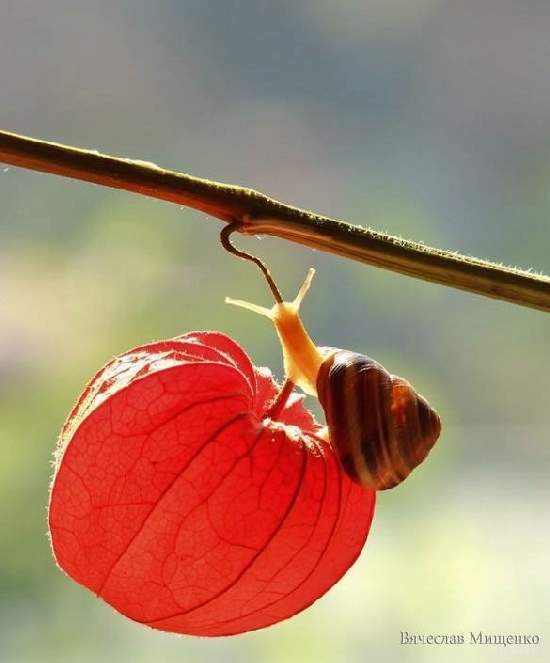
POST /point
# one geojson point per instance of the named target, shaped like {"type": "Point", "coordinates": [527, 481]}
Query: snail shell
{"type": "Point", "coordinates": [379, 426]}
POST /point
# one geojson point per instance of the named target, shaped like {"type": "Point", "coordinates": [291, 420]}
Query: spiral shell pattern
{"type": "Point", "coordinates": [379, 426]}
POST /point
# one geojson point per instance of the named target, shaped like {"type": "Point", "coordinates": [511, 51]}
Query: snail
{"type": "Point", "coordinates": [379, 427]}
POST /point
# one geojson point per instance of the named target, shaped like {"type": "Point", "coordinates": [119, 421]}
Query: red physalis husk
{"type": "Point", "coordinates": [176, 501]}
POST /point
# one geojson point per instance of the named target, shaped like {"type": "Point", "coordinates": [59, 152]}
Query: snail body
{"type": "Point", "coordinates": [379, 427]}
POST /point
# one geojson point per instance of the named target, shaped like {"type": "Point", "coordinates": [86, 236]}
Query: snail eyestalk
{"type": "Point", "coordinates": [261, 310]}
{"type": "Point", "coordinates": [304, 288]}
{"type": "Point", "coordinates": [271, 313]}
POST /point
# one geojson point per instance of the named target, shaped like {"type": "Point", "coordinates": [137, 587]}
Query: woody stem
{"type": "Point", "coordinates": [280, 400]}
{"type": "Point", "coordinates": [269, 217]}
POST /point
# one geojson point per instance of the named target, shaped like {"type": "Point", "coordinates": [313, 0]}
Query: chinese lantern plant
{"type": "Point", "coordinates": [196, 496]}
{"type": "Point", "coordinates": [180, 502]}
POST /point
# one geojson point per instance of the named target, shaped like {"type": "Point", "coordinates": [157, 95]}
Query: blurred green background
{"type": "Point", "coordinates": [424, 118]}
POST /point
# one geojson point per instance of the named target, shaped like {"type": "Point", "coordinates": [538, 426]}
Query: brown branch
{"type": "Point", "coordinates": [263, 215]}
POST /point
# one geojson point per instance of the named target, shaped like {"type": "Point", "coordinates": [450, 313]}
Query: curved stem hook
{"type": "Point", "coordinates": [225, 236]}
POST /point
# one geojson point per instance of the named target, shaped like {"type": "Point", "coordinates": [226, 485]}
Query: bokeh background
{"type": "Point", "coordinates": [424, 118]}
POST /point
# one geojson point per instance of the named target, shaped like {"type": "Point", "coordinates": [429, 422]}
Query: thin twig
{"type": "Point", "coordinates": [225, 238]}
{"type": "Point", "coordinates": [269, 217]}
